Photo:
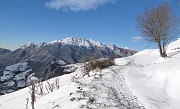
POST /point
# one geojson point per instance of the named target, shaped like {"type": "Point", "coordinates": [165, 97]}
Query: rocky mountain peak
{"type": "Point", "coordinates": [112, 46]}
{"type": "Point", "coordinates": [29, 44]}
{"type": "Point", "coordinates": [78, 42]}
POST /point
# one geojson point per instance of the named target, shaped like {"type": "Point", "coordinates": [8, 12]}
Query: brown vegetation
{"type": "Point", "coordinates": [97, 64]}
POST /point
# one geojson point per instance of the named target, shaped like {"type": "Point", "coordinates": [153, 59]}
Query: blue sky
{"type": "Point", "coordinates": [107, 21]}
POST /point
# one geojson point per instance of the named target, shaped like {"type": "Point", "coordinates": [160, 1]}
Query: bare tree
{"type": "Point", "coordinates": [39, 88]}
{"type": "Point", "coordinates": [27, 101]}
{"type": "Point", "coordinates": [50, 86]}
{"type": "Point", "coordinates": [158, 25]}
{"type": "Point", "coordinates": [57, 83]}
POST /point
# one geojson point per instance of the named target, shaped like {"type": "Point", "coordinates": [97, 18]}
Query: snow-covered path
{"type": "Point", "coordinates": [108, 89]}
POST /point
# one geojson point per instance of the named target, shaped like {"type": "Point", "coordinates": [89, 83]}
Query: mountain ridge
{"type": "Point", "coordinates": [73, 41]}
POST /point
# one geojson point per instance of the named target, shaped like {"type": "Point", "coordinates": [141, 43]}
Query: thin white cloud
{"type": "Point", "coordinates": [77, 5]}
{"type": "Point", "coordinates": [136, 39]}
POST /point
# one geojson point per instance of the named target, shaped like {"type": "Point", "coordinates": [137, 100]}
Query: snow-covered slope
{"type": "Point", "coordinates": [156, 80]}
{"type": "Point", "coordinates": [142, 81]}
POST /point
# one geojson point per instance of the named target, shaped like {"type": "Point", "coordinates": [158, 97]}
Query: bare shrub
{"type": "Point", "coordinates": [50, 86]}
{"type": "Point", "coordinates": [74, 79]}
{"type": "Point", "coordinates": [32, 88]}
{"type": "Point", "coordinates": [39, 88]}
{"type": "Point", "coordinates": [57, 85]}
{"type": "Point", "coordinates": [97, 65]}
{"type": "Point", "coordinates": [87, 68]}
{"type": "Point", "coordinates": [27, 102]}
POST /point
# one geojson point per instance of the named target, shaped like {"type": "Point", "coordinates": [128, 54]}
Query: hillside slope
{"type": "Point", "coordinates": [144, 80]}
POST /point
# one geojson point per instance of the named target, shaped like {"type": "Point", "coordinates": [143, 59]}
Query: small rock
{"type": "Point", "coordinates": [72, 99]}
{"type": "Point", "coordinates": [71, 93]}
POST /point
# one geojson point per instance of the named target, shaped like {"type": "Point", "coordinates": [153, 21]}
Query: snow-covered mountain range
{"type": "Point", "coordinates": [78, 42]}
{"type": "Point", "coordinates": [49, 59]}
{"type": "Point", "coordinates": [142, 81]}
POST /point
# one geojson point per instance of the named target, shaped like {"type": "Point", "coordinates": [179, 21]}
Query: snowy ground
{"type": "Point", "coordinates": [142, 81]}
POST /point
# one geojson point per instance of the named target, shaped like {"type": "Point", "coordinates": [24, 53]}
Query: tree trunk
{"type": "Point", "coordinates": [164, 51]}
{"type": "Point", "coordinates": [160, 49]}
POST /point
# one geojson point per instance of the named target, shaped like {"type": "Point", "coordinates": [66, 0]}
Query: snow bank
{"type": "Point", "coordinates": [174, 46]}
{"type": "Point", "coordinates": [121, 61]}
{"type": "Point", "coordinates": [172, 87]}
{"type": "Point", "coordinates": [147, 52]}
{"type": "Point", "coordinates": [156, 80]}
{"type": "Point", "coordinates": [166, 80]}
